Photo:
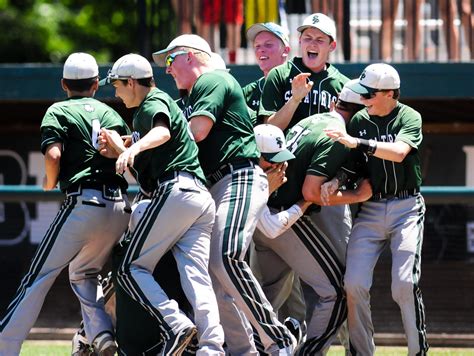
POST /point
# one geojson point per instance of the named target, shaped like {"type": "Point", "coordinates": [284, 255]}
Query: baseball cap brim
{"type": "Point", "coordinates": [159, 56]}
{"type": "Point", "coordinates": [255, 29]}
{"type": "Point", "coordinates": [361, 89]}
{"type": "Point", "coordinates": [104, 81]}
{"type": "Point", "coordinates": [278, 157]}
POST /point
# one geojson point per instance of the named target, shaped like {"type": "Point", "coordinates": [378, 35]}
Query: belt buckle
{"type": "Point", "coordinates": [111, 193]}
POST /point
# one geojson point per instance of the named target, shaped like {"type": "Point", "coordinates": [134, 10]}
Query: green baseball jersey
{"type": "Point", "coordinates": [316, 154]}
{"type": "Point", "coordinates": [277, 90]}
{"type": "Point", "coordinates": [219, 96]}
{"type": "Point", "coordinates": [252, 93]}
{"type": "Point", "coordinates": [179, 153]}
{"type": "Point", "coordinates": [402, 124]}
{"type": "Point", "coordinates": [76, 123]}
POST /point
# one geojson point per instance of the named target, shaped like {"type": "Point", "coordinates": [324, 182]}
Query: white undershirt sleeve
{"type": "Point", "coordinates": [273, 225]}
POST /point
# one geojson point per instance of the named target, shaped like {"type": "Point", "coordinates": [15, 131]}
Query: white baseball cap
{"type": "Point", "coordinates": [130, 66]}
{"type": "Point", "coordinates": [188, 40]}
{"type": "Point", "coordinates": [217, 62]}
{"type": "Point", "coordinates": [271, 27]}
{"type": "Point", "coordinates": [80, 66]}
{"type": "Point", "coordinates": [348, 95]}
{"type": "Point", "coordinates": [321, 22]}
{"type": "Point", "coordinates": [138, 209]}
{"type": "Point", "coordinates": [377, 76]}
{"type": "Point", "coordinates": [272, 144]}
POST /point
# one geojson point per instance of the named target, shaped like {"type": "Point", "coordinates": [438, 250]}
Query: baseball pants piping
{"type": "Point", "coordinates": [399, 223]}
{"type": "Point", "coordinates": [78, 237]}
{"type": "Point", "coordinates": [179, 217]}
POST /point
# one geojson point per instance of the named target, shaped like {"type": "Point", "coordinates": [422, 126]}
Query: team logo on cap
{"type": "Point", "coordinates": [279, 142]}
{"type": "Point", "coordinates": [315, 19]}
{"type": "Point", "coordinates": [362, 76]}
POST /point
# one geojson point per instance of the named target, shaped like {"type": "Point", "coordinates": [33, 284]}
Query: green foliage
{"type": "Point", "coordinates": [49, 30]}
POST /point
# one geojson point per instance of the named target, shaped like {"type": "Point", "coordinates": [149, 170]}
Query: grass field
{"type": "Point", "coordinates": [63, 348]}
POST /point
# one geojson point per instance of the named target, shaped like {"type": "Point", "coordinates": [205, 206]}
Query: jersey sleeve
{"type": "Point", "coordinates": [208, 97]}
{"type": "Point", "coordinates": [328, 157]}
{"type": "Point", "coordinates": [52, 130]}
{"type": "Point", "coordinates": [273, 95]}
{"type": "Point", "coordinates": [411, 132]}
{"type": "Point", "coordinates": [113, 121]}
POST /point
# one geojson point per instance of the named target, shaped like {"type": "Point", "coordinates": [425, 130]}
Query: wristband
{"type": "Point", "coordinates": [367, 146]}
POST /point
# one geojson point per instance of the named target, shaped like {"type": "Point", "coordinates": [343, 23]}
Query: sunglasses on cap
{"type": "Point", "coordinates": [171, 57]}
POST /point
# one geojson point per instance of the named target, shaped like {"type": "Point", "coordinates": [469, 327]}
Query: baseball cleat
{"type": "Point", "coordinates": [176, 344]}
{"type": "Point", "coordinates": [104, 344]}
{"type": "Point", "coordinates": [80, 345]}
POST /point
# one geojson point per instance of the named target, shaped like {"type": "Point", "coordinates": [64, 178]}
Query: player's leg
{"type": "Point", "coordinates": [98, 239]}
{"type": "Point", "coordinates": [192, 258]}
{"type": "Point", "coordinates": [305, 249]}
{"type": "Point", "coordinates": [366, 243]}
{"type": "Point", "coordinates": [156, 232]}
{"type": "Point", "coordinates": [407, 218]}
{"type": "Point", "coordinates": [61, 243]}
{"type": "Point", "coordinates": [239, 198]}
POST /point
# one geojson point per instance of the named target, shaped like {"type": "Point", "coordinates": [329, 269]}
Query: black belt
{"type": "Point", "coordinates": [167, 176]}
{"type": "Point", "coordinates": [229, 168]}
{"type": "Point", "coordinates": [77, 187]}
{"type": "Point", "coordinates": [402, 194]}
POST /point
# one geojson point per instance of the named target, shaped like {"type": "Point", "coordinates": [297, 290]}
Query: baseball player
{"type": "Point", "coordinates": [389, 134]}
{"type": "Point", "coordinates": [220, 122]}
{"type": "Point", "coordinates": [136, 331]}
{"type": "Point", "coordinates": [271, 45]}
{"type": "Point", "coordinates": [305, 85]}
{"type": "Point", "coordinates": [168, 153]}
{"type": "Point", "coordinates": [77, 237]}
{"type": "Point", "coordinates": [315, 245]}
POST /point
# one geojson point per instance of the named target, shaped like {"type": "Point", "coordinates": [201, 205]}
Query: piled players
{"type": "Point", "coordinates": [176, 153]}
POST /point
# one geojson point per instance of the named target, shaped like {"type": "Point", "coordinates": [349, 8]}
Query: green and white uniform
{"type": "Point", "coordinates": [394, 216]}
{"type": "Point", "coordinates": [277, 90]}
{"type": "Point", "coordinates": [78, 236]}
{"type": "Point", "coordinates": [239, 187]}
{"type": "Point", "coordinates": [180, 192]}
{"type": "Point", "coordinates": [252, 93]}
{"type": "Point", "coordinates": [314, 247]}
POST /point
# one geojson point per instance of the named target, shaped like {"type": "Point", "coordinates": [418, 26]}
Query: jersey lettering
{"type": "Point", "coordinates": [294, 136]}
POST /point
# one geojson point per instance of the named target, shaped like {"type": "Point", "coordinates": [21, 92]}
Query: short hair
{"type": "Point", "coordinates": [349, 107]}
{"type": "Point", "coordinates": [80, 84]}
{"type": "Point", "coordinates": [145, 82]}
{"type": "Point", "coordinates": [396, 94]}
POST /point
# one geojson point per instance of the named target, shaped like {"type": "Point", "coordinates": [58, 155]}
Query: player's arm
{"type": "Point", "coordinates": [200, 126]}
{"type": "Point", "coordinates": [157, 136]}
{"type": "Point", "coordinates": [390, 151]}
{"type": "Point", "coordinates": [52, 160]}
{"type": "Point", "coordinates": [312, 192]}
{"type": "Point", "coordinates": [273, 225]}
{"type": "Point", "coordinates": [300, 87]}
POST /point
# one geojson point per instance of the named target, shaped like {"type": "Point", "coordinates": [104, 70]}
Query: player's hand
{"type": "Point", "coordinates": [300, 86]}
{"type": "Point", "coordinates": [276, 176]}
{"type": "Point", "coordinates": [127, 140]}
{"type": "Point", "coordinates": [342, 137]}
{"type": "Point", "coordinates": [111, 145]}
{"type": "Point", "coordinates": [364, 189]}
{"type": "Point", "coordinates": [328, 189]}
{"type": "Point", "coordinates": [126, 158]}
{"type": "Point", "coordinates": [47, 185]}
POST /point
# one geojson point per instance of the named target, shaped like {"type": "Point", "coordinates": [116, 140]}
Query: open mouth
{"type": "Point", "coordinates": [312, 54]}
{"type": "Point", "coordinates": [263, 58]}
